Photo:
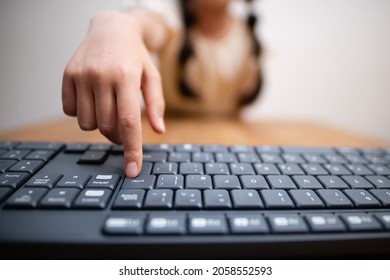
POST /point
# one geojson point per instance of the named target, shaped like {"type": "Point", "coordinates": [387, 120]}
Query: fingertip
{"type": "Point", "coordinates": [132, 169]}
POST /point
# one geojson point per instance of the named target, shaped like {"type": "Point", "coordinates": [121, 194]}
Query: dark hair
{"type": "Point", "coordinates": [186, 51]}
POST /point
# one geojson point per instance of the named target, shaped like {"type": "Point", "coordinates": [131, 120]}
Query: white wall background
{"type": "Point", "coordinates": [325, 61]}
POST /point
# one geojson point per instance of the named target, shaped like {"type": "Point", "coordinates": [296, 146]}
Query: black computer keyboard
{"type": "Point", "coordinates": [73, 201]}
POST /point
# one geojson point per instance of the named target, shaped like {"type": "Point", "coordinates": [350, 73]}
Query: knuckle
{"type": "Point", "coordinates": [107, 129]}
{"type": "Point", "coordinates": [128, 121]}
{"type": "Point", "coordinates": [87, 125]}
{"type": "Point", "coordinates": [69, 109]}
{"type": "Point", "coordinates": [133, 153]}
{"type": "Point", "coordinates": [124, 74]}
{"type": "Point", "coordinates": [96, 73]}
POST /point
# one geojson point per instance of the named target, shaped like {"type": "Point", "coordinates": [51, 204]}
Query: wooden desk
{"type": "Point", "coordinates": [204, 131]}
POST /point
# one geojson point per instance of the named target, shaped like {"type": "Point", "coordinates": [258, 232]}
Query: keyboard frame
{"type": "Point", "coordinates": [70, 234]}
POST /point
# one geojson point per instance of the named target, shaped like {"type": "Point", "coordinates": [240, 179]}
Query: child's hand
{"type": "Point", "coordinates": [102, 81]}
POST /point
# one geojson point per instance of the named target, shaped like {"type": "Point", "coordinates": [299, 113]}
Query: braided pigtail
{"type": "Point", "coordinates": [251, 21]}
{"type": "Point", "coordinates": [186, 50]}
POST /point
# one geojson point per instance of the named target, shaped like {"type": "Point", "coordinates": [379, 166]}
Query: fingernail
{"type": "Point", "coordinates": [131, 170]}
{"type": "Point", "coordinates": [161, 124]}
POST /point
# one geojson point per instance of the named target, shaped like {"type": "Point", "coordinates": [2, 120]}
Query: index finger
{"type": "Point", "coordinates": [129, 117]}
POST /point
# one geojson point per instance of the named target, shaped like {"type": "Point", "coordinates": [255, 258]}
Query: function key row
{"type": "Point", "coordinates": [244, 224]}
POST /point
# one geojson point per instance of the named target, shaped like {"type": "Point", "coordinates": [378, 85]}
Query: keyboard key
{"type": "Point", "coordinates": [216, 199]}
{"type": "Point", "coordinates": [217, 168]}
{"type": "Point", "coordinates": [380, 182]}
{"type": "Point", "coordinates": [270, 158]}
{"type": "Point", "coordinates": [191, 168]}
{"type": "Point", "coordinates": [246, 199]}
{"type": "Point", "coordinates": [288, 223]}
{"type": "Point", "coordinates": [253, 182]}
{"type": "Point", "coordinates": [73, 181]}
{"type": "Point", "coordinates": [332, 182]}
{"type": "Point", "coordinates": [146, 168]}
{"type": "Point", "coordinates": [154, 157]}
{"type": "Point", "coordinates": [103, 147]}
{"type": "Point", "coordinates": [8, 144]}
{"type": "Point", "coordinates": [334, 199]}
{"type": "Point", "coordinates": [93, 157]}
{"type": "Point", "coordinates": [3, 151]}
{"type": "Point", "coordinates": [13, 180]}
{"type": "Point", "coordinates": [382, 195]}
{"type": "Point", "coordinates": [248, 224]}
{"type": "Point", "coordinates": [26, 198]}
{"type": "Point", "coordinates": [5, 164]}
{"type": "Point", "coordinates": [201, 182]}
{"type": "Point", "coordinates": [93, 199]}
{"type": "Point", "coordinates": [377, 159]}
{"type": "Point", "coordinates": [225, 157]}
{"type": "Point", "coordinates": [179, 157]}
{"type": "Point", "coordinates": [335, 159]}
{"type": "Point", "coordinates": [359, 169]}
{"type": "Point", "coordinates": [266, 169]}
{"type": "Point", "coordinates": [29, 166]}
{"type": "Point", "coordinates": [59, 198]}
{"type": "Point", "coordinates": [228, 182]}
{"type": "Point", "coordinates": [281, 182]}
{"type": "Point", "coordinates": [306, 199]}
{"type": "Point", "coordinates": [159, 199]}
{"type": "Point", "coordinates": [384, 218]}
{"type": "Point", "coordinates": [248, 157]}
{"type": "Point", "coordinates": [4, 193]}
{"type": "Point", "coordinates": [189, 148]}
{"type": "Point", "coordinates": [241, 149]}
{"type": "Point", "coordinates": [76, 147]}
{"type": "Point", "coordinates": [172, 225]}
{"type": "Point", "coordinates": [337, 169]}
{"type": "Point", "coordinates": [210, 224]}
{"type": "Point", "coordinates": [188, 199]}
{"type": "Point", "coordinates": [361, 222]}
{"type": "Point", "coordinates": [314, 158]}
{"type": "Point", "coordinates": [314, 169]}
{"type": "Point", "coordinates": [165, 168]}
{"type": "Point", "coordinates": [325, 223]}
{"type": "Point", "coordinates": [142, 181]}
{"type": "Point", "coordinates": [43, 180]}
{"type": "Point", "coordinates": [132, 225]}
{"type": "Point", "coordinates": [40, 146]}
{"type": "Point", "coordinates": [109, 181]}
{"type": "Point", "coordinates": [202, 157]}
{"type": "Point", "coordinates": [308, 150]}
{"type": "Point", "coordinates": [129, 199]}
{"type": "Point", "coordinates": [241, 169]}
{"type": "Point", "coordinates": [173, 182]}
{"type": "Point", "coordinates": [307, 182]}
{"type": "Point", "coordinates": [362, 198]}
{"type": "Point", "coordinates": [44, 155]}
{"type": "Point", "coordinates": [290, 169]}
{"type": "Point", "coordinates": [268, 149]}
{"type": "Point", "coordinates": [380, 169]}
{"type": "Point", "coordinates": [157, 148]}
{"type": "Point", "coordinates": [276, 199]}
{"type": "Point", "coordinates": [357, 182]}
{"type": "Point", "coordinates": [293, 158]}
{"type": "Point", "coordinates": [15, 154]}
{"type": "Point", "coordinates": [355, 158]}
{"type": "Point", "coordinates": [215, 149]}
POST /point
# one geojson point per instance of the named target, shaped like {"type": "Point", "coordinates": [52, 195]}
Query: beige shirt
{"type": "Point", "coordinates": [219, 72]}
